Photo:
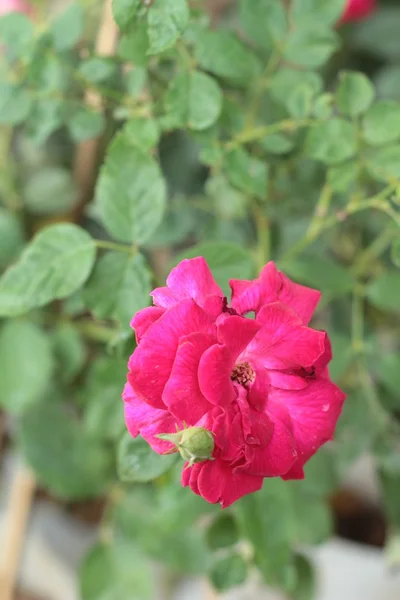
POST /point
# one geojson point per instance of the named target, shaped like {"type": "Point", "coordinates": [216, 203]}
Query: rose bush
{"type": "Point", "coordinates": [261, 386]}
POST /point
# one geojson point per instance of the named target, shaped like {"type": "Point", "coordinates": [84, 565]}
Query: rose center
{"type": "Point", "coordinates": [243, 373]}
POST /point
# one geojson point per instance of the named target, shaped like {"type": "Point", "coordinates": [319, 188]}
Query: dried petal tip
{"type": "Point", "coordinates": [195, 444]}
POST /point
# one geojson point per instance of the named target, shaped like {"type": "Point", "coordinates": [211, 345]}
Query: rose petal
{"type": "Point", "coordinates": [148, 421]}
{"type": "Point", "coordinates": [314, 412]}
{"type": "Point", "coordinates": [284, 342]}
{"type": "Point", "coordinates": [144, 319]}
{"type": "Point", "coordinates": [271, 286]}
{"type": "Point", "coordinates": [217, 483]}
{"type": "Point", "coordinates": [182, 394]}
{"type": "Point", "coordinates": [151, 363]}
{"type": "Point", "coordinates": [192, 278]}
{"type": "Point", "coordinates": [215, 369]}
{"type": "Point", "coordinates": [236, 332]}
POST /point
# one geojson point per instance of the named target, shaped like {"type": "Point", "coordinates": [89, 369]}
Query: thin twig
{"type": "Point", "coordinates": [19, 505]}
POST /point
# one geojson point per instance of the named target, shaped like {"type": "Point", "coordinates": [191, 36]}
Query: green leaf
{"type": "Point", "coordinates": [384, 291]}
{"type": "Point", "coordinates": [228, 572]}
{"type": "Point", "coordinates": [384, 163]}
{"type": "Point", "coordinates": [354, 94]}
{"type": "Point", "coordinates": [299, 101]}
{"type": "Point", "coordinates": [103, 413]}
{"type": "Point", "coordinates": [269, 531]}
{"type": "Point", "coordinates": [356, 432]}
{"type": "Point", "coordinates": [324, 13]}
{"type": "Point", "coordinates": [55, 264]}
{"type": "Point", "coordinates": [395, 252]}
{"type": "Point", "coordinates": [135, 81]}
{"type": "Point", "coordinates": [286, 80]}
{"type": "Point", "coordinates": [124, 12]}
{"type": "Point", "coordinates": [143, 133]}
{"type": "Point", "coordinates": [229, 202]}
{"type": "Point", "coordinates": [379, 34]}
{"type": "Point", "coordinates": [119, 286]}
{"type": "Point", "coordinates": [388, 370]}
{"type": "Point", "coordinates": [65, 460]}
{"type": "Point", "coordinates": [167, 20]}
{"type": "Point", "coordinates": [223, 54]}
{"type": "Point", "coordinates": [264, 21]}
{"type": "Point", "coordinates": [116, 572]}
{"type": "Point", "coordinates": [24, 348]}
{"type": "Point", "coordinates": [342, 355]}
{"type": "Point", "coordinates": [227, 261]}
{"type": "Point", "coordinates": [130, 193]}
{"type": "Point", "coordinates": [311, 45]}
{"type": "Point", "coordinates": [387, 82]}
{"type": "Point", "coordinates": [11, 237]}
{"type": "Point", "coordinates": [70, 351]}
{"type": "Point", "coordinates": [247, 173]}
{"type": "Point", "coordinates": [382, 123]}
{"type": "Point", "coordinates": [50, 190]}
{"type": "Point", "coordinates": [134, 45]}
{"type": "Point", "coordinates": [323, 106]}
{"type": "Point", "coordinates": [222, 532]}
{"type": "Point", "coordinates": [15, 104]}
{"type": "Point", "coordinates": [342, 177]}
{"type": "Point", "coordinates": [46, 117]}
{"type": "Point", "coordinates": [193, 99]}
{"type": "Point", "coordinates": [16, 33]}
{"type": "Point", "coordinates": [332, 142]}
{"type": "Point", "coordinates": [67, 28]}
{"type": "Point", "coordinates": [322, 273]}
{"type": "Point", "coordinates": [303, 585]}
{"type": "Point", "coordinates": [97, 69]}
{"type": "Point", "coordinates": [86, 124]}
{"type": "Point", "coordinates": [136, 461]}
{"type": "Point", "coordinates": [277, 144]}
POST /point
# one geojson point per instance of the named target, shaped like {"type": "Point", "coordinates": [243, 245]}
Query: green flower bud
{"type": "Point", "coordinates": [194, 444]}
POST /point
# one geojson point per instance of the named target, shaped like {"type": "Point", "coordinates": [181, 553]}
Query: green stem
{"type": "Point", "coordinates": [378, 246]}
{"type": "Point", "coordinates": [357, 321]}
{"type": "Point", "coordinates": [318, 225]}
{"type": "Point", "coordinates": [106, 245]}
{"type": "Point", "coordinates": [257, 133]}
{"type": "Point", "coordinates": [263, 236]}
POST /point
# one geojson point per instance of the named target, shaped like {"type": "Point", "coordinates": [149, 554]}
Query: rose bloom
{"type": "Point", "coordinates": [260, 385]}
{"type": "Point", "coordinates": [8, 6]}
{"type": "Point", "coordinates": [358, 9]}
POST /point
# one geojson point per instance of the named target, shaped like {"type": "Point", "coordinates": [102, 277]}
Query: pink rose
{"type": "Point", "coordinates": [356, 10]}
{"type": "Point", "coordinates": [8, 6]}
{"type": "Point", "coordinates": [260, 387]}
